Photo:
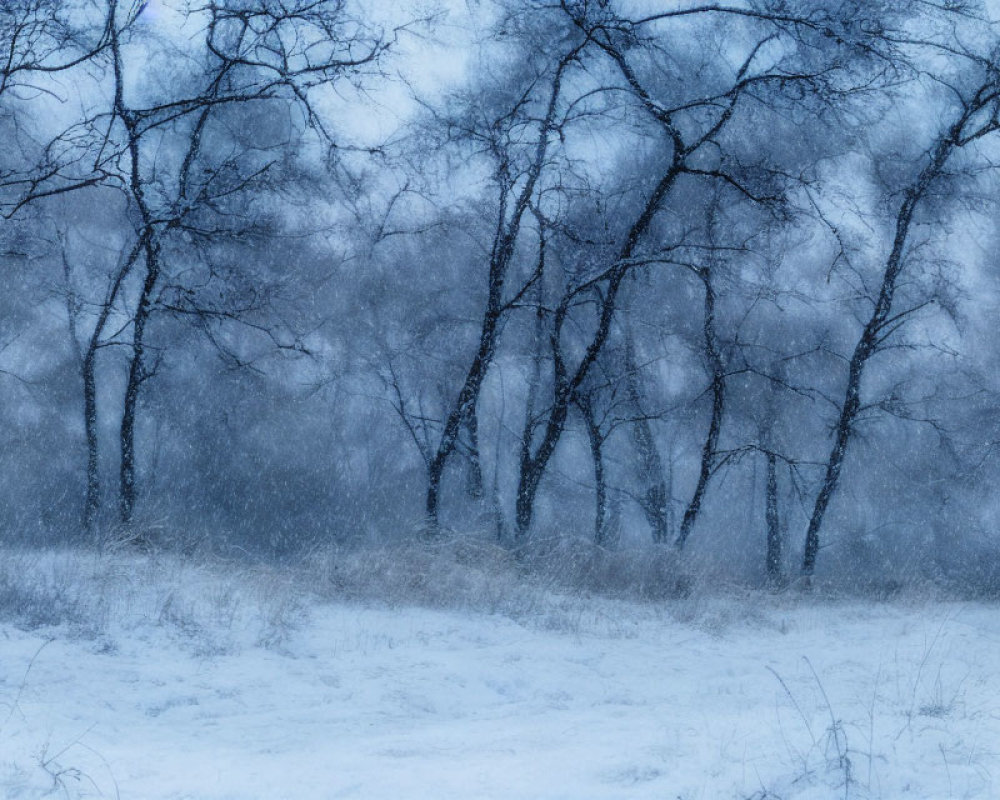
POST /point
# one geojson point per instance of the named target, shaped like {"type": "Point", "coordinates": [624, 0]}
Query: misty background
{"type": "Point", "coordinates": [715, 279]}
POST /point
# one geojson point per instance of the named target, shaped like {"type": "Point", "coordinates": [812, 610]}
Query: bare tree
{"type": "Point", "coordinates": [717, 389]}
{"type": "Point", "coordinates": [708, 115]}
{"type": "Point", "coordinates": [516, 186]}
{"type": "Point", "coordinates": [40, 39]}
{"type": "Point", "coordinates": [977, 115]}
{"type": "Point", "coordinates": [254, 54]}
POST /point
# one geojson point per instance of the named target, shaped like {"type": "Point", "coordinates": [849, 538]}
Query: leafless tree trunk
{"type": "Point", "coordinates": [474, 476]}
{"type": "Point", "coordinates": [718, 391]}
{"type": "Point", "coordinates": [596, 439]}
{"type": "Point", "coordinates": [91, 503]}
{"type": "Point", "coordinates": [653, 500]}
{"type": "Point", "coordinates": [773, 555]}
{"type": "Point", "coordinates": [138, 372]}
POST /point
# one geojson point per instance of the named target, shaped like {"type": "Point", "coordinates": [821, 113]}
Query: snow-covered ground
{"type": "Point", "coordinates": [747, 696]}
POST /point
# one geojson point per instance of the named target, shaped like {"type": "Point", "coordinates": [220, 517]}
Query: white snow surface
{"type": "Point", "coordinates": [747, 696]}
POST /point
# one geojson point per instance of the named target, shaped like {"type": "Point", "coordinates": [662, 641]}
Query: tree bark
{"type": "Point", "coordinates": [709, 449]}
{"type": "Point", "coordinates": [596, 439]}
{"type": "Point", "coordinates": [773, 555]}
{"type": "Point", "coordinates": [654, 502]}
{"type": "Point", "coordinates": [474, 476]}
{"type": "Point", "coordinates": [136, 376]}
{"type": "Point", "coordinates": [92, 502]}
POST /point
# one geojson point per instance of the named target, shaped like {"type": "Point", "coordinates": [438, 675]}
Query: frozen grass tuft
{"type": "Point", "coordinates": [555, 584]}
{"type": "Point", "coordinates": [209, 607]}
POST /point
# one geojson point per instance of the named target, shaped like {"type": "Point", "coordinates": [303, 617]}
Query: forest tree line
{"type": "Point", "coordinates": [718, 277]}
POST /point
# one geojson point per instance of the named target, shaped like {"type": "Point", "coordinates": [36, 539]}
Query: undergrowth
{"type": "Point", "coordinates": [213, 604]}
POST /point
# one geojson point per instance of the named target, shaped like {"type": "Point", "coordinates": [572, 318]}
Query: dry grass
{"type": "Point", "coordinates": [210, 606]}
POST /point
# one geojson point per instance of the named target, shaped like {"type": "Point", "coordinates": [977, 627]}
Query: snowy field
{"type": "Point", "coordinates": [159, 680]}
